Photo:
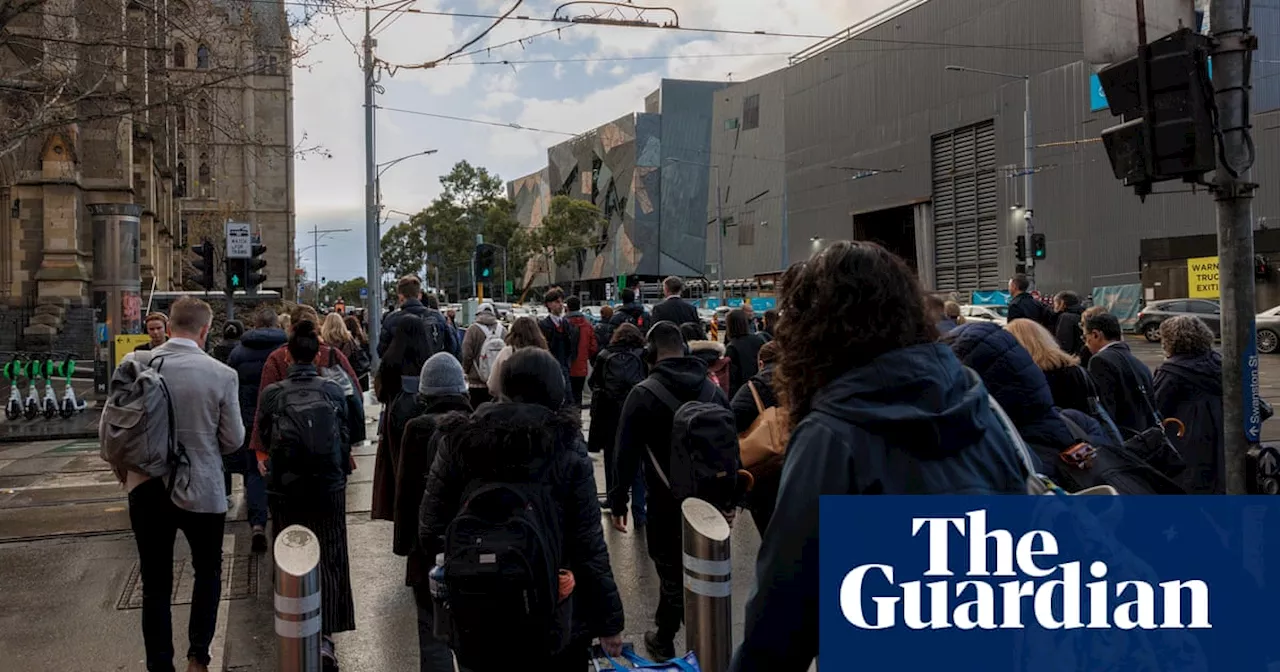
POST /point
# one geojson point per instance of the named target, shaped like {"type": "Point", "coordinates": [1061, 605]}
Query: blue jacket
{"type": "Point", "coordinates": [910, 422]}
{"type": "Point", "coordinates": [415, 307]}
{"type": "Point", "coordinates": [248, 359]}
{"type": "Point", "coordinates": [1015, 381]}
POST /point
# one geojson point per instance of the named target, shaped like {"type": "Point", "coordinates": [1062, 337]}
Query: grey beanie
{"type": "Point", "coordinates": [442, 376]}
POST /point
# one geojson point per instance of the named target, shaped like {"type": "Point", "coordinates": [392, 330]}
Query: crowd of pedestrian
{"type": "Point", "coordinates": [483, 470]}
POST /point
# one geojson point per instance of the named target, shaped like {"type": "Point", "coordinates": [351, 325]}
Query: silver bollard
{"type": "Point", "coordinates": [297, 556]}
{"type": "Point", "coordinates": [708, 585]}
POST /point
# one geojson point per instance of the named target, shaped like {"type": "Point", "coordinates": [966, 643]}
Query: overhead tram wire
{"type": "Point", "coordinates": [611, 59]}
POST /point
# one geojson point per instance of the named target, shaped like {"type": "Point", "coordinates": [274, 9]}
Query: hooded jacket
{"type": "Point", "coordinates": [524, 440]}
{"type": "Point", "coordinates": [473, 344]}
{"type": "Point", "coordinates": [248, 359]}
{"type": "Point", "coordinates": [645, 424]}
{"type": "Point", "coordinates": [586, 344]}
{"type": "Point", "coordinates": [711, 353]}
{"type": "Point", "coordinates": [633, 313]}
{"type": "Point", "coordinates": [1070, 333]}
{"type": "Point", "coordinates": [1189, 388]}
{"type": "Point", "coordinates": [909, 422]}
{"type": "Point", "coordinates": [438, 416]}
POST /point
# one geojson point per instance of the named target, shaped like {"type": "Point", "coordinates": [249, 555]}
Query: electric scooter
{"type": "Point", "coordinates": [13, 372]}
{"type": "Point", "coordinates": [70, 405]}
{"type": "Point", "coordinates": [49, 405]}
{"type": "Point", "coordinates": [32, 408]}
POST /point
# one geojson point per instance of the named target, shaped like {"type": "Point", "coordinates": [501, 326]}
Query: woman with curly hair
{"type": "Point", "coordinates": [877, 407]}
{"type": "Point", "coordinates": [1188, 386]}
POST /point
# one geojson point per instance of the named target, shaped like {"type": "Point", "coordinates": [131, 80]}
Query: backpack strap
{"type": "Point", "coordinates": [658, 390]}
{"type": "Point", "coordinates": [1077, 432]}
{"type": "Point", "coordinates": [756, 395]}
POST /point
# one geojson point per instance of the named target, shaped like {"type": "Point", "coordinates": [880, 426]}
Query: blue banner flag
{"type": "Point", "coordinates": [1048, 584]}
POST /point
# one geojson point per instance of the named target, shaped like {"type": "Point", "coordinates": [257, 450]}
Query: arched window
{"type": "Point", "coordinates": [180, 180]}
{"type": "Point", "coordinates": [179, 55]}
{"type": "Point", "coordinates": [206, 119]}
{"type": "Point", "coordinates": [204, 175]}
{"type": "Point", "coordinates": [181, 115]}
{"type": "Point", "coordinates": [202, 57]}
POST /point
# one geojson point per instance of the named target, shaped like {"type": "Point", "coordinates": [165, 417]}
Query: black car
{"type": "Point", "coordinates": [1154, 313]}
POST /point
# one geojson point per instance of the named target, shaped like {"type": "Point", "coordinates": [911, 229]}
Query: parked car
{"type": "Point", "coordinates": [1268, 326]}
{"type": "Point", "coordinates": [1150, 317]}
{"type": "Point", "coordinates": [994, 314]}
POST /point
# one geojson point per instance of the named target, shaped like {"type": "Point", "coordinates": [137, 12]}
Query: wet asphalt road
{"type": "Point", "coordinates": [66, 563]}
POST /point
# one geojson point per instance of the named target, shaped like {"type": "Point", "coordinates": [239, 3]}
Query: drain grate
{"type": "Point", "coordinates": [239, 580]}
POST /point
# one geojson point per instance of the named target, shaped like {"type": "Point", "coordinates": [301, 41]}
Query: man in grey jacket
{"type": "Point", "coordinates": [208, 426]}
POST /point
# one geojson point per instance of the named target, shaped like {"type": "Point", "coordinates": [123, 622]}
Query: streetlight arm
{"type": "Point", "coordinates": [383, 167]}
{"type": "Point", "coordinates": [961, 68]}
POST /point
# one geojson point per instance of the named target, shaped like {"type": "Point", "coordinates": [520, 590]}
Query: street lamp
{"type": "Point", "coordinates": [1028, 157]}
{"type": "Point", "coordinates": [373, 205]}
{"type": "Point", "coordinates": [318, 235]}
{"type": "Point", "coordinates": [719, 222]}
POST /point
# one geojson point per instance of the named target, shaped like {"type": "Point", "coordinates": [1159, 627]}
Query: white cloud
{"type": "Point", "coordinates": [562, 96]}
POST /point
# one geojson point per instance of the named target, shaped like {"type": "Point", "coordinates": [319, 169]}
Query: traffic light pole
{"type": "Point", "coordinates": [372, 239]}
{"type": "Point", "coordinates": [1234, 195]}
{"type": "Point", "coordinates": [1029, 161]}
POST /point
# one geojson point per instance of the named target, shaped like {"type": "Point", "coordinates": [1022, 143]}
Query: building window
{"type": "Point", "coordinates": [206, 118]}
{"type": "Point", "coordinates": [202, 57]}
{"type": "Point", "coordinates": [751, 112]}
{"type": "Point", "coordinates": [273, 65]}
{"type": "Point", "coordinates": [204, 176]}
{"type": "Point", "coordinates": [731, 124]}
{"type": "Point", "coordinates": [180, 180]}
{"type": "Point", "coordinates": [179, 55]}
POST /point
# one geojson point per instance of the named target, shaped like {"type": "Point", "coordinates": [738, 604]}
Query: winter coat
{"type": "Point", "coordinates": [1189, 388]}
{"type": "Point", "coordinates": [1070, 333]}
{"type": "Point", "coordinates": [604, 410]}
{"type": "Point", "coordinates": [248, 359]}
{"type": "Point", "coordinates": [222, 351]}
{"type": "Point", "coordinates": [945, 325]}
{"type": "Point", "coordinates": [437, 415]}
{"type": "Point", "coordinates": [403, 407]}
{"type": "Point", "coordinates": [675, 310]}
{"type": "Point", "coordinates": [272, 405]}
{"type": "Point", "coordinates": [711, 353]}
{"type": "Point", "coordinates": [604, 335]}
{"type": "Point", "coordinates": [587, 346]}
{"type": "Point", "coordinates": [1025, 306]}
{"type": "Point", "coordinates": [743, 404]}
{"type": "Point", "coordinates": [744, 355]}
{"type": "Point", "coordinates": [525, 436]}
{"type": "Point", "coordinates": [277, 367]}
{"type": "Point", "coordinates": [1119, 375]}
{"type": "Point", "coordinates": [562, 340]}
{"type": "Point", "coordinates": [633, 313]}
{"type": "Point", "coordinates": [1013, 378]}
{"type": "Point", "coordinates": [1070, 387]}
{"type": "Point", "coordinates": [473, 345]}
{"type": "Point", "coordinates": [909, 422]}
{"type": "Point", "coordinates": [415, 307]}
{"type": "Point", "coordinates": [645, 423]}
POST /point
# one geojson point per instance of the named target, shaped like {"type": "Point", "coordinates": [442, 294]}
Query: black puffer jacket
{"type": "Point", "coordinates": [502, 442]}
{"type": "Point", "coordinates": [1189, 388]}
{"type": "Point", "coordinates": [1070, 333]}
{"type": "Point", "coordinates": [248, 359]}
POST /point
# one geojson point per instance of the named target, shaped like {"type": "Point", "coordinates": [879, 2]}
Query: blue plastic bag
{"type": "Point", "coordinates": [687, 663]}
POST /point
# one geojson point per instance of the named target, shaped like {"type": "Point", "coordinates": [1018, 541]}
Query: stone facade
{"type": "Point", "coordinates": [187, 114]}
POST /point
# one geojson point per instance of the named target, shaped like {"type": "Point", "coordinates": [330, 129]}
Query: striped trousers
{"type": "Point", "coordinates": [325, 514]}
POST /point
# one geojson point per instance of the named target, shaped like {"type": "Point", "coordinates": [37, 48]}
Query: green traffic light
{"type": "Point", "coordinates": [485, 273]}
{"type": "Point", "coordinates": [235, 281]}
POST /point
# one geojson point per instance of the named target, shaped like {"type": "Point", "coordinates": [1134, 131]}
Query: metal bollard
{"type": "Point", "coordinates": [297, 556]}
{"type": "Point", "coordinates": [708, 585]}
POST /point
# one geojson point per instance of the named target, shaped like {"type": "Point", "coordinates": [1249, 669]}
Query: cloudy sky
{"type": "Point", "coordinates": [597, 74]}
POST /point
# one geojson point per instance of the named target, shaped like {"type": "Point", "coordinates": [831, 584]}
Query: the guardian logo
{"type": "Point", "coordinates": [1055, 592]}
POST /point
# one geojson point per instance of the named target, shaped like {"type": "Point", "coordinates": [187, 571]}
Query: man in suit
{"type": "Point", "coordinates": [207, 423]}
{"type": "Point", "coordinates": [1123, 382]}
{"type": "Point", "coordinates": [561, 336]}
{"type": "Point", "coordinates": [674, 309]}
{"type": "Point", "coordinates": [1022, 304]}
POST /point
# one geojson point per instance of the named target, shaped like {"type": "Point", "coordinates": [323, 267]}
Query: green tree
{"type": "Point", "coordinates": [569, 227]}
{"type": "Point", "coordinates": [472, 188]}
{"type": "Point", "coordinates": [347, 290]}
{"type": "Point", "coordinates": [403, 249]}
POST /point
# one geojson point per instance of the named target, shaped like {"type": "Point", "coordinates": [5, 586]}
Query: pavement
{"type": "Point", "coordinates": [71, 598]}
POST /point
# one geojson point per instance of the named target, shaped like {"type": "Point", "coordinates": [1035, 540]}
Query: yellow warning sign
{"type": "Point", "coordinates": [126, 343]}
{"type": "Point", "coordinates": [1202, 278]}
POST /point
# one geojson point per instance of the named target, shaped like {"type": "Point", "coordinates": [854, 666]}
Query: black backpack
{"type": "Point", "coordinates": [623, 370]}
{"type": "Point", "coordinates": [502, 556]}
{"type": "Point", "coordinates": [704, 447]}
{"type": "Point", "coordinates": [306, 448]}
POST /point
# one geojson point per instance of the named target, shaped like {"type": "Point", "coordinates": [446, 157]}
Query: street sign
{"type": "Point", "coordinates": [1202, 278]}
{"type": "Point", "coordinates": [510, 287]}
{"type": "Point", "coordinates": [239, 240]}
{"type": "Point", "coordinates": [364, 292]}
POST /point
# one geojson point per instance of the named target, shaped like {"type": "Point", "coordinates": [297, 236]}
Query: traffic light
{"type": "Point", "coordinates": [1165, 97]}
{"type": "Point", "coordinates": [1037, 246]}
{"type": "Point", "coordinates": [204, 264]}
{"type": "Point", "coordinates": [486, 262]}
{"type": "Point", "coordinates": [1020, 248]}
{"type": "Point", "coordinates": [234, 275]}
{"type": "Point", "coordinates": [253, 275]}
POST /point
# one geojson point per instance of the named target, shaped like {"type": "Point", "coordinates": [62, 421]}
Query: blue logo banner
{"type": "Point", "coordinates": [763, 303]}
{"type": "Point", "coordinates": [1048, 584]}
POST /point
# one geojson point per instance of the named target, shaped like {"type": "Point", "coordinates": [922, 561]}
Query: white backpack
{"type": "Point", "coordinates": [493, 345]}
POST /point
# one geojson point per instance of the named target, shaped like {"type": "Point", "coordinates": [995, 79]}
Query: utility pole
{"type": "Point", "coordinates": [720, 238]}
{"type": "Point", "coordinates": [1234, 195]}
{"type": "Point", "coordinates": [1028, 159]}
{"type": "Point", "coordinates": [372, 242]}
